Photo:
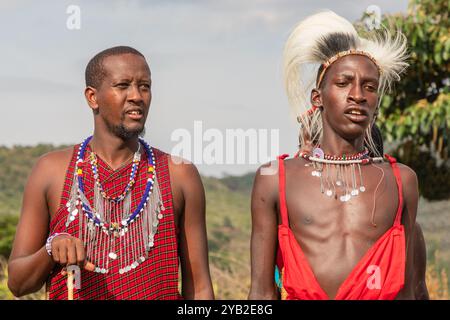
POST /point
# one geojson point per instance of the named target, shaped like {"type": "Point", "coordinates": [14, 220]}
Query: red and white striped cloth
{"type": "Point", "coordinates": [157, 277]}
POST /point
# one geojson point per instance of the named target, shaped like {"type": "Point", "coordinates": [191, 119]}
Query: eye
{"type": "Point", "coordinates": [145, 86]}
{"type": "Point", "coordinates": [122, 85]}
{"type": "Point", "coordinates": [341, 83]}
{"type": "Point", "coordinates": [371, 88]}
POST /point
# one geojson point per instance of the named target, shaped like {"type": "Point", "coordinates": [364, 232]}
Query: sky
{"type": "Point", "coordinates": [216, 69]}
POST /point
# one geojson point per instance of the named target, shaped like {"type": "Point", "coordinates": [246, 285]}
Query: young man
{"type": "Point", "coordinates": [122, 211]}
{"type": "Point", "coordinates": [338, 222]}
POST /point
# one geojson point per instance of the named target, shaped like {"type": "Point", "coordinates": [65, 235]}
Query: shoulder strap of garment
{"type": "Point", "coordinates": [60, 214]}
{"type": "Point", "coordinates": [68, 180]}
{"type": "Point", "coordinates": [282, 189]}
{"type": "Point", "coordinates": [163, 175]}
{"type": "Point", "coordinates": [398, 179]}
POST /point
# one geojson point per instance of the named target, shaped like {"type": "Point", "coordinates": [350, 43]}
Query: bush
{"type": "Point", "coordinates": [8, 225]}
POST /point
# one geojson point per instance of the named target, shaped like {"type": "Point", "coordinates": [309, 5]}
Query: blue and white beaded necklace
{"type": "Point", "coordinates": [96, 228]}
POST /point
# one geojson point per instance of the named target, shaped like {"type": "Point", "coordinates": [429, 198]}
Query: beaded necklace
{"type": "Point", "coordinates": [318, 153]}
{"type": "Point", "coordinates": [339, 183]}
{"type": "Point", "coordinates": [136, 161]}
{"type": "Point", "coordinates": [99, 227]}
{"type": "Point", "coordinates": [94, 216]}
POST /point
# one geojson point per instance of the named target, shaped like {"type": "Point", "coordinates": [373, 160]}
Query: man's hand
{"type": "Point", "coordinates": [68, 250]}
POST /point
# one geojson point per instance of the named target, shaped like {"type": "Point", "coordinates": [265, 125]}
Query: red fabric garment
{"type": "Point", "coordinates": [388, 254]}
{"type": "Point", "coordinates": [157, 277]}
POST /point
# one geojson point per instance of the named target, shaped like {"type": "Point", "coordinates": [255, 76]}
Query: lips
{"type": "Point", "coordinates": [356, 114]}
{"type": "Point", "coordinates": [135, 113]}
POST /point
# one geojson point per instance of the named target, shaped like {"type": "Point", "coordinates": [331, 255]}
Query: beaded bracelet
{"type": "Point", "coordinates": [48, 243]}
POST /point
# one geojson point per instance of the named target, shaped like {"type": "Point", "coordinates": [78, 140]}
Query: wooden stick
{"type": "Point", "coordinates": [70, 285]}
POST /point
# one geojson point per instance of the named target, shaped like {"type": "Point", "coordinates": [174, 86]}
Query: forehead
{"type": "Point", "coordinates": [126, 65]}
{"type": "Point", "coordinates": [356, 64]}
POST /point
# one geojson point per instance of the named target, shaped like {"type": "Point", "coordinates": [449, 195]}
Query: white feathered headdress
{"type": "Point", "coordinates": [318, 41]}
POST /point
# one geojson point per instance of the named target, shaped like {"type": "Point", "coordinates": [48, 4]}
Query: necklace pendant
{"type": "Point", "coordinates": [316, 173]}
{"type": "Point", "coordinates": [112, 255]}
{"type": "Point", "coordinates": [346, 197]}
{"type": "Point", "coordinates": [115, 226]}
{"type": "Point", "coordinates": [318, 153]}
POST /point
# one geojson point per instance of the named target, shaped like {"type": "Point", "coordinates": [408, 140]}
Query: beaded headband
{"type": "Point", "coordinates": [341, 54]}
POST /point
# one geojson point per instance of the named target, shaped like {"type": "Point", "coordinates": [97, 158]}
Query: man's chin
{"type": "Point", "coordinates": [353, 132]}
{"type": "Point", "coordinates": [127, 133]}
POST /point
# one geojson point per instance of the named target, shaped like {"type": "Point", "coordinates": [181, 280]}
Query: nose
{"type": "Point", "coordinates": [134, 94]}
{"type": "Point", "coordinates": [356, 94]}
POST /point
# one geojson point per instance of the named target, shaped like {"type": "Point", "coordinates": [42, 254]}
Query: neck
{"type": "Point", "coordinates": [112, 149]}
{"type": "Point", "coordinates": [334, 144]}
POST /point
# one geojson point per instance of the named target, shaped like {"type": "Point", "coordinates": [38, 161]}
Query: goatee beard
{"type": "Point", "coordinates": [125, 134]}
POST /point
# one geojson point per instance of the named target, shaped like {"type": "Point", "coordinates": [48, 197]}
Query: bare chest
{"type": "Point", "coordinates": [317, 205]}
{"type": "Point", "coordinates": [334, 235]}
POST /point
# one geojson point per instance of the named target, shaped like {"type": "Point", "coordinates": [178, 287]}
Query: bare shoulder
{"type": "Point", "coordinates": [182, 170]}
{"type": "Point", "coordinates": [267, 174]}
{"type": "Point", "coordinates": [265, 185]}
{"type": "Point", "coordinates": [56, 157]}
{"type": "Point", "coordinates": [410, 189]}
{"type": "Point", "coordinates": [52, 164]}
{"type": "Point", "coordinates": [295, 164]}
{"type": "Point", "coordinates": [410, 183]}
{"type": "Point", "coordinates": [409, 177]}
{"type": "Point", "coordinates": [186, 183]}
{"type": "Point", "coordinates": [187, 187]}
{"type": "Point", "coordinates": [45, 182]}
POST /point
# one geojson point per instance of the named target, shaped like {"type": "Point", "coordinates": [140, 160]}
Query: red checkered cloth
{"type": "Point", "coordinates": [157, 277]}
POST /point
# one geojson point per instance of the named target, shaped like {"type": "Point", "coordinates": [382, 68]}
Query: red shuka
{"type": "Point", "coordinates": [157, 277]}
{"type": "Point", "coordinates": [387, 256]}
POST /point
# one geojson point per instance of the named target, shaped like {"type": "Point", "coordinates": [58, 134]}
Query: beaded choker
{"type": "Point", "coordinates": [338, 174]}
{"type": "Point", "coordinates": [318, 153]}
{"type": "Point", "coordinates": [110, 219]}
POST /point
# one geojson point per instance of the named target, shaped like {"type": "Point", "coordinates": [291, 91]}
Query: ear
{"type": "Point", "coordinates": [91, 96]}
{"type": "Point", "coordinates": [316, 98]}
